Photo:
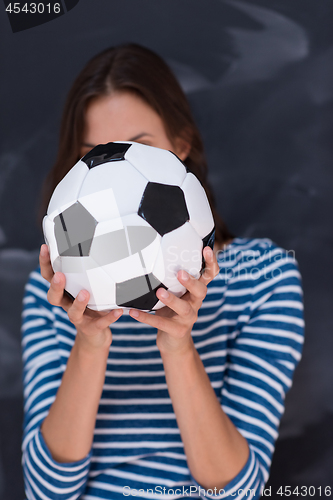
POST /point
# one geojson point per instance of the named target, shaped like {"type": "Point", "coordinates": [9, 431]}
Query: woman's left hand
{"type": "Point", "coordinates": [174, 322]}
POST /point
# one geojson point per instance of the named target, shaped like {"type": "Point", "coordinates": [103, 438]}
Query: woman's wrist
{"type": "Point", "coordinates": [69, 426]}
{"type": "Point", "coordinates": [99, 343]}
{"type": "Point", "coordinates": [174, 347]}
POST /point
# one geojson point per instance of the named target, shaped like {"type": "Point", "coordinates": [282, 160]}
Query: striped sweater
{"type": "Point", "coordinates": [249, 335]}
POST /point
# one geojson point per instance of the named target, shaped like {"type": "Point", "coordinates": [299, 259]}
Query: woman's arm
{"type": "Point", "coordinates": [69, 426]}
{"type": "Point", "coordinates": [261, 360]}
{"type": "Point", "coordinates": [61, 402]}
{"type": "Point", "coordinates": [43, 368]}
{"type": "Point", "coordinates": [215, 449]}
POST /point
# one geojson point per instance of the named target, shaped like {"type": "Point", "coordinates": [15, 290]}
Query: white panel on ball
{"type": "Point", "coordinates": [57, 265]}
{"type": "Point", "coordinates": [150, 253]}
{"type": "Point", "coordinates": [157, 165]}
{"type": "Point", "coordinates": [74, 264]}
{"type": "Point", "coordinates": [109, 226]}
{"type": "Point", "coordinates": [101, 205]}
{"type": "Point", "coordinates": [180, 249]}
{"type": "Point", "coordinates": [75, 282]}
{"type": "Point", "coordinates": [104, 289]}
{"type": "Point", "coordinates": [126, 197]}
{"type": "Point", "coordinates": [68, 189]}
{"type": "Point", "coordinates": [125, 269]}
{"type": "Point", "coordinates": [197, 205]}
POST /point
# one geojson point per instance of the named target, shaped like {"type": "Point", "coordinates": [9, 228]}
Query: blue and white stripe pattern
{"type": "Point", "coordinates": [249, 335]}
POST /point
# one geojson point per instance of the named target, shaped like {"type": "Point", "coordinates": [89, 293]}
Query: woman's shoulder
{"type": "Point", "coordinates": [251, 249]}
{"type": "Point", "coordinates": [248, 245]}
{"type": "Point", "coordinates": [255, 260]}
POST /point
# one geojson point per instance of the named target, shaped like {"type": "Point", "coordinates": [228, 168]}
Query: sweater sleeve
{"type": "Point", "coordinates": [262, 357]}
{"type": "Point", "coordinates": [43, 369]}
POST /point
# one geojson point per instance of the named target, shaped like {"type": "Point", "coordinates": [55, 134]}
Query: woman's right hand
{"type": "Point", "coordinates": [92, 326]}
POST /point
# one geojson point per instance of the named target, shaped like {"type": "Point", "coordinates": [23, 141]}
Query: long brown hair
{"type": "Point", "coordinates": [132, 68]}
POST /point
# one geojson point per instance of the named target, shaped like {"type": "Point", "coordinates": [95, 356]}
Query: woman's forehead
{"type": "Point", "coordinates": [121, 116]}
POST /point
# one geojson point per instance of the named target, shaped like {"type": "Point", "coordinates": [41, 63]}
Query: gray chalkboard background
{"type": "Point", "coordinates": [259, 77]}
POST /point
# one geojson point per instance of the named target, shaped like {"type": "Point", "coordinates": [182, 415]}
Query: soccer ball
{"type": "Point", "coordinates": [123, 221]}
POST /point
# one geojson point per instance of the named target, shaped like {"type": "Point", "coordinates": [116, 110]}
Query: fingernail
{"type": "Point", "coordinates": [117, 312]}
{"type": "Point", "coordinates": [81, 297]}
{"type": "Point", "coordinates": [43, 250]}
{"type": "Point", "coordinates": [163, 293]}
{"type": "Point", "coordinates": [184, 275]}
{"type": "Point", "coordinates": [134, 313]}
{"type": "Point", "coordinates": [56, 278]}
{"type": "Point", "coordinates": [209, 253]}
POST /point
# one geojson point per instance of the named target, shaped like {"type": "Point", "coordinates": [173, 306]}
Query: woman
{"type": "Point", "coordinates": [185, 402]}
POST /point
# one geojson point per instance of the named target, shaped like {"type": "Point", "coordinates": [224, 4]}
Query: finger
{"type": "Point", "coordinates": [180, 306]}
{"type": "Point", "coordinates": [45, 263]}
{"type": "Point", "coordinates": [55, 295]}
{"type": "Point", "coordinates": [211, 266]}
{"type": "Point", "coordinates": [196, 288]}
{"type": "Point", "coordinates": [109, 318]}
{"type": "Point", "coordinates": [159, 322]}
{"type": "Point", "coordinates": [76, 310]}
